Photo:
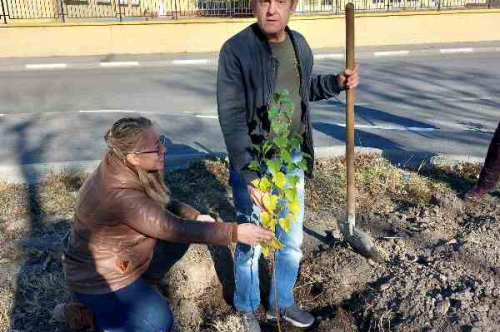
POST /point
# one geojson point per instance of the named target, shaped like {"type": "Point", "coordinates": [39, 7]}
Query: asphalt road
{"type": "Point", "coordinates": [436, 103]}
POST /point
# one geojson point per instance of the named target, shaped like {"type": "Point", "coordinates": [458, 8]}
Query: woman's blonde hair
{"type": "Point", "coordinates": [127, 136]}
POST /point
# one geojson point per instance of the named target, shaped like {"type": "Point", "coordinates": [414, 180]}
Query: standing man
{"type": "Point", "coordinates": [490, 173]}
{"type": "Point", "coordinates": [262, 59]}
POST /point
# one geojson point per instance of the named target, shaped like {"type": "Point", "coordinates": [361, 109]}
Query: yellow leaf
{"type": "Point", "coordinates": [279, 180]}
{"type": "Point", "coordinates": [264, 185]}
{"type": "Point", "coordinates": [265, 219]}
{"type": "Point", "coordinates": [270, 202]}
{"type": "Point", "coordinates": [265, 250]}
{"type": "Point", "coordinates": [294, 207]}
{"type": "Point", "coordinates": [285, 224]}
{"type": "Point", "coordinates": [276, 244]}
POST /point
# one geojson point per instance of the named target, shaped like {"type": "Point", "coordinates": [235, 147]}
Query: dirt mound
{"type": "Point", "coordinates": [442, 271]}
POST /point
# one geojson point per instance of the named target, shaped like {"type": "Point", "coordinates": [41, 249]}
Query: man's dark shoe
{"type": "Point", "coordinates": [296, 316]}
{"type": "Point", "coordinates": [250, 322]}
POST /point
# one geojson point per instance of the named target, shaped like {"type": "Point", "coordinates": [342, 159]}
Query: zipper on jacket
{"type": "Point", "coordinates": [272, 82]}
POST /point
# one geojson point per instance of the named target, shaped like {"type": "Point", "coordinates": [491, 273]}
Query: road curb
{"type": "Point", "coordinates": [36, 173]}
{"type": "Point", "coordinates": [213, 61]}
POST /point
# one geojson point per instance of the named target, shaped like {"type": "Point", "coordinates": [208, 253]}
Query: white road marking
{"type": "Point", "coordinates": [109, 111]}
{"type": "Point", "coordinates": [338, 56]}
{"type": "Point", "coordinates": [328, 56]}
{"type": "Point", "coordinates": [438, 125]}
{"type": "Point", "coordinates": [47, 66]}
{"type": "Point", "coordinates": [399, 128]}
{"type": "Point", "coordinates": [191, 62]}
{"type": "Point", "coordinates": [467, 99]}
{"type": "Point", "coordinates": [206, 116]}
{"type": "Point", "coordinates": [423, 99]}
{"type": "Point", "coordinates": [184, 114]}
{"type": "Point", "coordinates": [392, 53]}
{"type": "Point", "coordinates": [114, 64]}
{"type": "Point", "coordinates": [456, 50]}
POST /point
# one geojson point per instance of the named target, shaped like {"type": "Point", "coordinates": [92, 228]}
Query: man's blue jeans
{"type": "Point", "coordinates": [247, 293]}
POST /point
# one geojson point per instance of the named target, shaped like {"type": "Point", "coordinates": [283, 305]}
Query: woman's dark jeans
{"type": "Point", "coordinates": [137, 307]}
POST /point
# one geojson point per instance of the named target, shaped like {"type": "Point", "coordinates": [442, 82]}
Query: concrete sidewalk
{"type": "Point", "coordinates": [35, 173]}
{"type": "Point", "coordinates": [210, 59]}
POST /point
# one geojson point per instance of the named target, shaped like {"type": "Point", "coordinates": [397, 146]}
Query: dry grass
{"type": "Point", "coordinates": [379, 185]}
{"type": "Point", "coordinates": [231, 324]}
{"type": "Point", "coordinates": [6, 302]}
{"type": "Point", "coordinates": [23, 206]}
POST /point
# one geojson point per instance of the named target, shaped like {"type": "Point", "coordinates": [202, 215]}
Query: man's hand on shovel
{"type": "Point", "coordinates": [348, 79]}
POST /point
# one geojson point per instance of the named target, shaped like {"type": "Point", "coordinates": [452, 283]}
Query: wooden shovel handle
{"type": "Point", "coordinates": [350, 95]}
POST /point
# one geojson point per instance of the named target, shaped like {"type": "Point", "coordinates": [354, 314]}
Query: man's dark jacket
{"type": "Point", "coordinates": [245, 85]}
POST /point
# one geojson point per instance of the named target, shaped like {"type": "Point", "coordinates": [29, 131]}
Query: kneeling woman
{"type": "Point", "coordinates": [128, 231]}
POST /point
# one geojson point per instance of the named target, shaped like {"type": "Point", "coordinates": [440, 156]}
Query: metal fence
{"type": "Point", "coordinates": [64, 10]}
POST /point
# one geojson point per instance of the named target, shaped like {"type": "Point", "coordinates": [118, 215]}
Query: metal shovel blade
{"type": "Point", "coordinates": [361, 242]}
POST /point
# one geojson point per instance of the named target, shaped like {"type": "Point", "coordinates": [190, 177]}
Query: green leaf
{"type": "Point", "coordinates": [267, 146]}
{"type": "Point", "coordinates": [254, 165]}
{"type": "Point", "coordinates": [279, 128]}
{"type": "Point", "coordinates": [257, 147]}
{"type": "Point", "coordinates": [274, 166]}
{"type": "Point", "coordinates": [285, 155]}
{"type": "Point", "coordinates": [290, 168]}
{"type": "Point", "coordinates": [291, 194]}
{"type": "Point", "coordinates": [273, 113]}
{"type": "Point", "coordinates": [306, 155]}
{"type": "Point", "coordinates": [279, 180]}
{"type": "Point", "coordinates": [281, 142]}
{"type": "Point", "coordinates": [284, 93]}
{"type": "Point", "coordinates": [256, 183]}
{"type": "Point", "coordinates": [294, 143]}
{"type": "Point", "coordinates": [289, 106]}
{"type": "Point", "coordinates": [277, 97]}
{"type": "Point", "coordinates": [303, 165]}
{"type": "Point", "coordinates": [293, 180]}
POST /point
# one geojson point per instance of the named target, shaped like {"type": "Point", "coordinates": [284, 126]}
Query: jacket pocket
{"type": "Point", "coordinates": [126, 262]}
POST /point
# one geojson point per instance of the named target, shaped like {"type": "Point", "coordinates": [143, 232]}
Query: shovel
{"type": "Point", "coordinates": [360, 241]}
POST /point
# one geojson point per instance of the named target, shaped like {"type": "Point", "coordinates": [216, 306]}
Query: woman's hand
{"type": "Point", "coordinates": [252, 234]}
{"type": "Point", "coordinates": [205, 217]}
{"type": "Point", "coordinates": [256, 195]}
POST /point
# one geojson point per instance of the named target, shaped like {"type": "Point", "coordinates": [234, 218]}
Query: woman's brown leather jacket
{"type": "Point", "coordinates": [116, 226]}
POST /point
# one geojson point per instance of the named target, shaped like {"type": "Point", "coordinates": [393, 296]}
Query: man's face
{"type": "Point", "coordinates": [273, 15]}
